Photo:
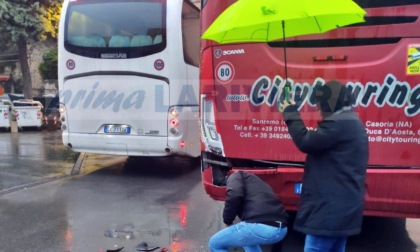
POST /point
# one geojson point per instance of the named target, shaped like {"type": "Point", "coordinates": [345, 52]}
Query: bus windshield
{"type": "Point", "coordinates": [111, 29]}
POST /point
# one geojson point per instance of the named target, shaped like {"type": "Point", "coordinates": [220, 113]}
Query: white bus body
{"type": "Point", "coordinates": [128, 77]}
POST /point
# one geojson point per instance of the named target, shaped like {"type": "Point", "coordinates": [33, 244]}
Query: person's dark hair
{"type": "Point", "coordinates": [332, 96]}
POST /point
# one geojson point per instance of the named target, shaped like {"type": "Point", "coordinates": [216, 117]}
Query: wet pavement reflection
{"type": "Point", "coordinates": [160, 202]}
{"type": "Point", "coordinates": [31, 156]}
{"type": "Point", "coordinates": [116, 202]}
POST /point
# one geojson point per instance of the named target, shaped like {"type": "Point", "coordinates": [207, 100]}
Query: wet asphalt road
{"type": "Point", "coordinates": [43, 207]}
{"type": "Point", "coordinates": [31, 157]}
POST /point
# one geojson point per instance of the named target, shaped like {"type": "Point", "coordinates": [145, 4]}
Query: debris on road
{"type": "Point", "coordinates": [143, 246]}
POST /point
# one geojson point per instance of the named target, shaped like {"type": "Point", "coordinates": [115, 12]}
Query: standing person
{"type": "Point", "coordinates": [263, 217]}
{"type": "Point", "coordinates": [333, 188]}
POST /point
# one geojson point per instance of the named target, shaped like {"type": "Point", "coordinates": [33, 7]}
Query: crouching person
{"type": "Point", "coordinates": [263, 217]}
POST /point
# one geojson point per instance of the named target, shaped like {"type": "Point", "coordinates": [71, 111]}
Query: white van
{"type": "Point", "coordinates": [5, 118]}
{"type": "Point", "coordinates": [28, 113]}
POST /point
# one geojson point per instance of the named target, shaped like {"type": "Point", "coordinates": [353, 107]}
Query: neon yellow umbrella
{"type": "Point", "coordinates": [268, 20]}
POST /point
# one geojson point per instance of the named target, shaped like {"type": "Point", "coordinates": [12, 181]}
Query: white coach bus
{"type": "Point", "coordinates": [128, 77]}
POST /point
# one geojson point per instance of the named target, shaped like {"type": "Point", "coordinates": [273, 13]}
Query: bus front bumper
{"type": "Point", "coordinates": [389, 192]}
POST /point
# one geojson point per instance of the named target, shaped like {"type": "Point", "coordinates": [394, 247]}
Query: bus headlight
{"type": "Point", "coordinates": [209, 135]}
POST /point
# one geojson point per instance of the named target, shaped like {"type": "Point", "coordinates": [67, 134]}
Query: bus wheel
{"type": "Point", "coordinates": [20, 129]}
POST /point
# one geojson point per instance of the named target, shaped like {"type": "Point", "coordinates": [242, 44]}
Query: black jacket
{"type": "Point", "coordinates": [333, 189]}
{"type": "Point", "coordinates": [252, 200]}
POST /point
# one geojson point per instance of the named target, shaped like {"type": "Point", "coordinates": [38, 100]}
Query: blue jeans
{"type": "Point", "coordinates": [246, 235]}
{"type": "Point", "coordinates": [317, 243]}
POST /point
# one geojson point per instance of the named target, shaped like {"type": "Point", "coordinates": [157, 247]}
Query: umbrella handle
{"type": "Point", "coordinates": [287, 94]}
{"type": "Point", "coordinates": [286, 98]}
{"type": "Point", "coordinates": [284, 49]}
{"type": "Point", "coordinates": [279, 107]}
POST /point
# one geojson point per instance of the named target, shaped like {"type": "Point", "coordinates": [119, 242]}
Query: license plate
{"type": "Point", "coordinates": [117, 129]}
{"type": "Point", "coordinates": [298, 188]}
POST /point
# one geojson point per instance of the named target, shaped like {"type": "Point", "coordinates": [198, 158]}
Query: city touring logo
{"type": "Point", "coordinates": [391, 92]}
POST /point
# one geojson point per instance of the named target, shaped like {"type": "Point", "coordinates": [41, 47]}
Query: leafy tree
{"type": "Point", "coordinates": [23, 21]}
{"type": "Point", "coordinates": [51, 18]}
{"type": "Point", "coordinates": [49, 67]}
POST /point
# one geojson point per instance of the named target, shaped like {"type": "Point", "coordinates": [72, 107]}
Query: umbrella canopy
{"type": "Point", "coordinates": [268, 20]}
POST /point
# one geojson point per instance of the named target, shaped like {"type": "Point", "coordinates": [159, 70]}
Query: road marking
{"type": "Point", "coordinates": [29, 185]}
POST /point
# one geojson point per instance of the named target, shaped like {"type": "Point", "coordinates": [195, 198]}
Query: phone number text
{"type": "Point", "coordinates": [274, 135]}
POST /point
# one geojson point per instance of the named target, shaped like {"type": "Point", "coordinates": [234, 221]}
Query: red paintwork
{"type": "Point", "coordinates": [393, 190]}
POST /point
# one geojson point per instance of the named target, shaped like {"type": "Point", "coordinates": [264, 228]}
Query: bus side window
{"type": "Point", "coordinates": [141, 40]}
{"type": "Point", "coordinates": [119, 41]}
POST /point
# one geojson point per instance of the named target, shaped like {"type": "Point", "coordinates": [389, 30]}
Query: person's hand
{"type": "Point", "coordinates": [286, 104]}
